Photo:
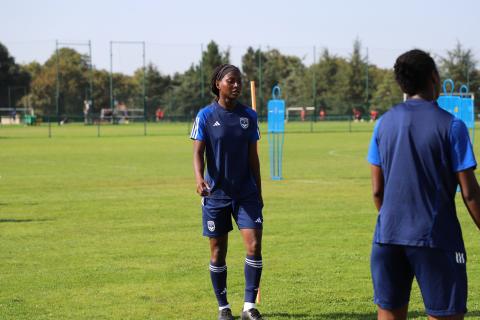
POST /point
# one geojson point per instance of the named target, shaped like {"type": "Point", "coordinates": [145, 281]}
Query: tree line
{"type": "Point", "coordinates": [333, 83]}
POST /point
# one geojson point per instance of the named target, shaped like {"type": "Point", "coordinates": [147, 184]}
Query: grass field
{"type": "Point", "coordinates": [110, 227]}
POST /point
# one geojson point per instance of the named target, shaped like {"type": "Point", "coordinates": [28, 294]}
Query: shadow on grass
{"type": "Point", "coordinates": [23, 220]}
{"type": "Point", "coordinates": [25, 203]}
{"type": "Point", "coordinates": [348, 315]}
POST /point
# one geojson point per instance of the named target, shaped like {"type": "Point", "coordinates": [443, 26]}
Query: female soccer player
{"type": "Point", "coordinates": [419, 153]}
{"type": "Point", "coordinates": [226, 133]}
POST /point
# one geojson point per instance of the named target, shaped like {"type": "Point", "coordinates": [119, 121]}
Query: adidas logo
{"type": "Point", "coordinates": [216, 124]}
{"type": "Point", "coordinates": [259, 220]}
{"type": "Point", "coordinates": [460, 257]}
{"type": "Point", "coordinates": [224, 291]}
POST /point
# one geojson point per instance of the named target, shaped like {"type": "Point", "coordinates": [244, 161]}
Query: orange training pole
{"type": "Point", "coordinates": [254, 107]}
{"type": "Point", "coordinates": [254, 95]}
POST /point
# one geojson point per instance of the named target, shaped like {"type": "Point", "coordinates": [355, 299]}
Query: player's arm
{"type": "Point", "coordinates": [464, 164]}
{"type": "Point", "coordinates": [199, 167]}
{"type": "Point", "coordinates": [375, 167]}
{"type": "Point", "coordinates": [470, 193]}
{"type": "Point", "coordinates": [255, 166]}
{"type": "Point", "coordinates": [377, 186]}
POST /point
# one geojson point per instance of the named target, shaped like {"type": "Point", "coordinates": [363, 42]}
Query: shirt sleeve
{"type": "Point", "coordinates": [463, 157]}
{"type": "Point", "coordinates": [198, 128]}
{"type": "Point", "coordinates": [255, 135]}
{"type": "Point", "coordinates": [373, 152]}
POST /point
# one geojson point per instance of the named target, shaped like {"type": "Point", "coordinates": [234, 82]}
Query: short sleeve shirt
{"type": "Point", "coordinates": [420, 148]}
{"type": "Point", "coordinates": [227, 135]}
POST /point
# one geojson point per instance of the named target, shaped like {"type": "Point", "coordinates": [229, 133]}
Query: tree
{"type": "Point", "coordinates": [101, 90]}
{"type": "Point", "coordinates": [12, 78]}
{"type": "Point", "coordinates": [250, 64]}
{"type": "Point", "coordinates": [73, 69]}
{"type": "Point", "coordinates": [334, 83]}
{"type": "Point", "coordinates": [357, 77]}
{"type": "Point", "coordinates": [33, 68]}
{"type": "Point", "coordinates": [157, 86]}
{"type": "Point", "coordinates": [127, 91]}
{"type": "Point", "coordinates": [251, 61]}
{"type": "Point", "coordinates": [276, 69]}
{"type": "Point", "coordinates": [459, 65]}
{"type": "Point", "coordinates": [330, 82]}
{"type": "Point", "coordinates": [184, 98]}
{"type": "Point", "coordinates": [211, 58]}
{"type": "Point", "coordinates": [388, 92]}
{"type": "Point", "coordinates": [287, 72]}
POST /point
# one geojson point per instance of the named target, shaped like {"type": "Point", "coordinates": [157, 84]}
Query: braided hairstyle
{"type": "Point", "coordinates": [413, 71]}
{"type": "Point", "coordinates": [218, 74]}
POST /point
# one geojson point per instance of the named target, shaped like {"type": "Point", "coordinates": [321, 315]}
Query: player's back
{"type": "Point", "coordinates": [414, 143]}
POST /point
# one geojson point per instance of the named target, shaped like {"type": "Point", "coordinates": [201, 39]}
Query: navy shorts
{"type": "Point", "coordinates": [441, 276]}
{"type": "Point", "coordinates": [217, 215]}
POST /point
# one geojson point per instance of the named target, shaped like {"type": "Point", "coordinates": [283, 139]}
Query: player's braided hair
{"type": "Point", "coordinates": [413, 70]}
{"type": "Point", "coordinates": [218, 75]}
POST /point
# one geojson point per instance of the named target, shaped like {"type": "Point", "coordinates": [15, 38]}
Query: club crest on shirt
{"type": "Point", "coordinates": [244, 122]}
{"type": "Point", "coordinates": [211, 225]}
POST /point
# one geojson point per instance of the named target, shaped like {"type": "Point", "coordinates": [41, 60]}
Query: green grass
{"type": "Point", "coordinates": [110, 227]}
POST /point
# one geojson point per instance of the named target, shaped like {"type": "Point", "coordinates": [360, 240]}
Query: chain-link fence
{"type": "Point", "coordinates": [143, 87]}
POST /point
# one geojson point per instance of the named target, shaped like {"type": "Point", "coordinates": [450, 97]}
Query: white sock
{"type": "Point", "coordinates": [249, 305]}
{"type": "Point", "coordinates": [224, 307]}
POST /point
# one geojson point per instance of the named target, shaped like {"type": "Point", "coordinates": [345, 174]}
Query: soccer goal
{"type": "Point", "coordinates": [127, 115]}
{"type": "Point", "coordinates": [135, 111]}
{"type": "Point", "coordinates": [299, 113]}
{"type": "Point", "coordinates": [10, 116]}
{"type": "Point", "coordinates": [65, 105]}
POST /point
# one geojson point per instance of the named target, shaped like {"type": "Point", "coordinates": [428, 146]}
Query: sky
{"type": "Point", "coordinates": [175, 31]}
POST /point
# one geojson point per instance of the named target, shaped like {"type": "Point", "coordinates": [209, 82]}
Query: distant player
{"type": "Point", "coordinates": [86, 110]}
{"type": "Point", "coordinates": [226, 133]}
{"type": "Point", "coordinates": [322, 114]}
{"type": "Point", "coordinates": [373, 115]}
{"type": "Point", "coordinates": [159, 114]}
{"type": "Point", "coordinates": [418, 155]}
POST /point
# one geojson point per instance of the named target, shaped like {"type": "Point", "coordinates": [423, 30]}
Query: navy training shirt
{"type": "Point", "coordinates": [227, 135]}
{"type": "Point", "coordinates": [420, 148]}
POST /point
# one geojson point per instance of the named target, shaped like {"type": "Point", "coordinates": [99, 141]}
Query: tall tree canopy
{"type": "Point", "coordinates": [14, 79]}
{"type": "Point", "coordinates": [460, 66]}
{"type": "Point", "coordinates": [335, 84]}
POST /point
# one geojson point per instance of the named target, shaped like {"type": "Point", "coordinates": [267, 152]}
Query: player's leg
{"type": "Point", "coordinates": [252, 239]}
{"type": "Point", "coordinates": [248, 215]}
{"type": "Point", "coordinates": [392, 281]}
{"type": "Point", "coordinates": [397, 314]}
{"type": "Point", "coordinates": [218, 274]}
{"type": "Point", "coordinates": [442, 278]}
{"type": "Point", "coordinates": [216, 225]}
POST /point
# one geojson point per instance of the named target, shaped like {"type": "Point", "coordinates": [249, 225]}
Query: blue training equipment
{"type": "Point", "coordinates": [276, 132]}
{"type": "Point", "coordinates": [461, 104]}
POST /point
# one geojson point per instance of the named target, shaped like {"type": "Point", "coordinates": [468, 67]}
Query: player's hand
{"type": "Point", "coordinates": [203, 189]}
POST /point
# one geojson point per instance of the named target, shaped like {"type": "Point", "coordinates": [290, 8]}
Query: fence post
{"type": "Point", "coordinates": [49, 127]}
